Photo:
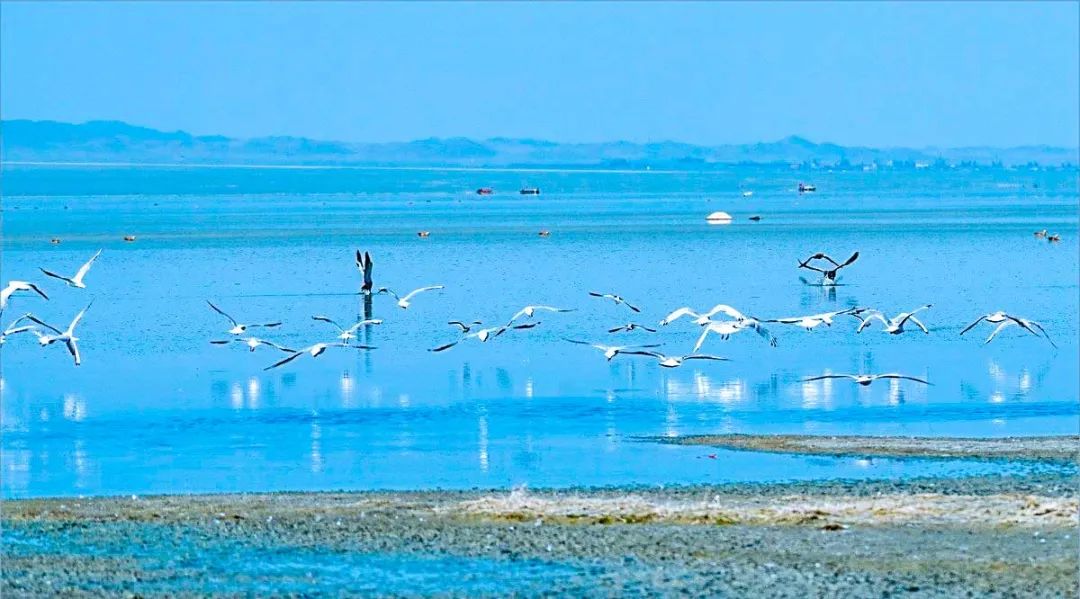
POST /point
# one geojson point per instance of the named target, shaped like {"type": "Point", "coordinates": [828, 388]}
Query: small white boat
{"type": "Point", "coordinates": [718, 218]}
{"type": "Point", "coordinates": [807, 188]}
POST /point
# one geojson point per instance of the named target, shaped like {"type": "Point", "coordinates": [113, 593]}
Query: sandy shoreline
{"type": "Point", "coordinates": [1048, 449]}
{"type": "Point", "coordinates": [988, 535]}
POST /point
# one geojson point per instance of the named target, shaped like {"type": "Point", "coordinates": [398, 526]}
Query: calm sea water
{"type": "Point", "coordinates": [155, 408]}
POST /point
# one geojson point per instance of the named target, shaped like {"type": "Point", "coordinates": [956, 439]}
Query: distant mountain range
{"type": "Point", "coordinates": [115, 141]}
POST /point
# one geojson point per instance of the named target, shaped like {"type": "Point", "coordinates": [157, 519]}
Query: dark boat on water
{"type": "Point", "coordinates": [530, 191]}
{"type": "Point", "coordinates": [485, 191]}
{"type": "Point", "coordinates": [807, 188]}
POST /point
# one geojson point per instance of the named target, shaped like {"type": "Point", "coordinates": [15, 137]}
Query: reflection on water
{"type": "Point", "coordinates": [160, 410]}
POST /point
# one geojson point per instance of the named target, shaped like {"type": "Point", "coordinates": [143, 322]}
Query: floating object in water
{"type": "Point", "coordinates": [755, 218]}
{"type": "Point", "coordinates": [718, 217]}
{"type": "Point", "coordinates": [1053, 238]}
{"type": "Point", "coordinates": [1040, 233]}
{"type": "Point", "coordinates": [129, 238]}
{"type": "Point", "coordinates": [530, 191]}
{"type": "Point", "coordinates": [544, 233]}
{"type": "Point", "coordinates": [423, 233]}
{"type": "Point", "coordinates": [485, 191]}
{"type": "Point", "coordinates": [807, 188]}
{"type": "Point", "coordinates": [54, 240]}
{"type": "Point", "coordinates": [747, 194]}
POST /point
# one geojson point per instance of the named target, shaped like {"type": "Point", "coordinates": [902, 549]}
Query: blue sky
{"type": "Point", "coordinates": [880, 74]}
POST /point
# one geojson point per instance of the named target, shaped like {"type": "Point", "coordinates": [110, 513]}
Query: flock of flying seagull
{"type": "Point", "coordinates": [721, 321]}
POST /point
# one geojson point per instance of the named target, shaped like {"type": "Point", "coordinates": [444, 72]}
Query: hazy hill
{"type": "Point", "coordinates": [115, 141]}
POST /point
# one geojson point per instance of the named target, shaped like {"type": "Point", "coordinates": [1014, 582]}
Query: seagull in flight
{"type": "Point", "coordinates": [349, 333]}
{"type": "Point", "coordinates": [893, 326]}
{"type": "Point", "coordinates": [464, 326]}
{"type": "Point", "coordinates": [77, 280]}
{"type": "Point", "coordinates": [364, 264]}
{"type": "Point", "coordinates": [812, 321]}
{"type": "Point", "coordinates": [314, 351]}
{"type": "Point", "coordinates": [13, 328]}
{"type": "Point", "coordinates": [829, 275]}
{"type": "Point", "coordinates": [485, 334]}
{"type": "Point", "coordinates": [14, 286]}
{"type": "Point", "coordinates": [1003, 321]}
{"type": "Point", "coordinates": [67, 335]}
{"type": "Point", "coordinates": [705, 318]}
{"type": "Point", "coordinates": [866, 379]}
{"type": "Point", "coordinates": [252, 343]}
{"type": "Point", "coordinates": [677, 314]}
{"type": "Point", "coordinates": [610, 351]}
{"type": "Point", "coordinates": [238, 328]}
{"type": "Point", "coordinates": [403, 301]}
{"type": "Point", "coordinates": [727, 328]}
{"type": "Point", "coordinates": [615, 298]}
{"type": "Point", "coordinates": [675, 361]}
{"type": "Point", "coordinates": [630, 326]}
{"type": "Point", "coordinates": [529, 311]}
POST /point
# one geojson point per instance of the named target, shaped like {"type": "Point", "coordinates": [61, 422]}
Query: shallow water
{"type": "Point", "coordinates": [155, 408]}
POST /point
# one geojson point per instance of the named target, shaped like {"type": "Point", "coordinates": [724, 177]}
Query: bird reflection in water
{"type": "Point", "coordinates": [482, 441]}
{"type": "Point", "coordinates": [316, 445]}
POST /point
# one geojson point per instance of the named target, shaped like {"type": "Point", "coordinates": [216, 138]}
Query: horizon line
{"type": "Point", "coordinates": [792, 136]}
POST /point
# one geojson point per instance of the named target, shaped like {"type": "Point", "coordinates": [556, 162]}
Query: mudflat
{"type": "Point", "coordinates": [991, 536]}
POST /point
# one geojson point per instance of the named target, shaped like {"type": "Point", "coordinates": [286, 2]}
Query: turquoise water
{"type": "Point", "coordinates": [156, 408]}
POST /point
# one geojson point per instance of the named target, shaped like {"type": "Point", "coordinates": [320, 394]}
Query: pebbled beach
{"type": "Point", "coordinates": [988, 536]}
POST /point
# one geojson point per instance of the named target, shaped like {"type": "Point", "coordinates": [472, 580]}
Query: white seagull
{"type": "Point", "coordinates": [14, 328]}
{"type": "Point", "coordinates": [631, 326]}
{"type": "Point", "coordinates": [1003, 320]}
{"type": "Point", "coordinates": [675, 361]}
{"type": "Point", "coordinates": [252, 343]}
{"type": "Point", "coordinates": [403, 301]}
{"type": "Point", "coordinates": [895, 325]}
{"type": "Point", "coordinates": [464, 326]}
{"type": "Point", "coordinates": [77, 280]}
{"type": "Point", "coordinates": [615, 298]}
{"type": "Point", "coordinates": [314, 351]}
{"type": "Point", "coordinates": [364, 265]}
{"type": "Point", "coordinates": [67, 336]}
{"type": "Point", "coordinates": [727, 328]}
{"type": "Point", "coordinates": [14, 286]}
{"type": "Point", "coordinates": [704, 318]}
{"type": "Point", "coordinates": [866, 379]}
{"type": "Point", "coordinates": [677, 314]}
{"type": "Point", "coordinates": [483, 335]}
{"type": "Point", "coordinates": [529, 311]}
{"type": "Point", "coordinates": [238, 328]}
{"type": "Point", "coordinates": [349, 333]}
{"type": "Point", "coordinates": [610, 351]}
{"type": "Point", "coordinates": [812, 321]}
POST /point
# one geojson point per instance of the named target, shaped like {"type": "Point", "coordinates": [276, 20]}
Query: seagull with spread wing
{"type": "Point", "coordinates": [866, 379]}
{"type": "Point", "coordinates": [1004, 320]}
{"type": "Point", "coordinates": [240, 328]}
{"type": "Point", "coordinates": [77, 280]}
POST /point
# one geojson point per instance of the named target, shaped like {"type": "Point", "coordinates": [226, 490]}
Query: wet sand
{"type": "Point", "coordinates": [1048, 449]}
{"type": "Point", "coordinates": [990, 536]}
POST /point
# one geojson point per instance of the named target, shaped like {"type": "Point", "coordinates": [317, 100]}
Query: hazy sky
{"type": "Point", "coordinates": [856, 73]}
